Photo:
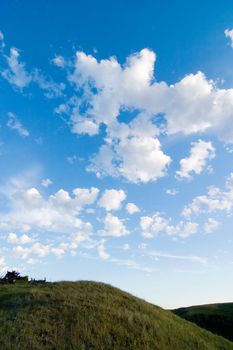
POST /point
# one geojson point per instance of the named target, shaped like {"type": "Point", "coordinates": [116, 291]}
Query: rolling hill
{"type": "Point", "coordinates": [90, 315]}
{"type": "Point", "coordinates": [217, 318]}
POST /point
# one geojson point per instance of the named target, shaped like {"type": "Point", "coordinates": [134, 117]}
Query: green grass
{"type": "Point", "coordinates": [218, 318]}
{"type": "Point", "coordinates": [89, 315]}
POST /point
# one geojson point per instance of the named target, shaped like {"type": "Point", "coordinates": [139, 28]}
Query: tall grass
{"type": "Point", "coordinates": [88, 316]}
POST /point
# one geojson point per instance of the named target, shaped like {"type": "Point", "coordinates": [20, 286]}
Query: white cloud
{"type": "Point", "coordinates": [131, 264]}
{"type": "Point", "coordinates": [71, 159]}
{"type": "Point", "coordinates": [14, 124]}
{"type": "Point", "coordinates": [192, 258]}
{"type": "Point", "coordinates": [102, 251]}
{"type": "Point", "coordinates": [46, 182]}
{"type": "Point", "coordinates": [58, 61]}
{"type": "Point", "coordinates": [37, 249]}
{"type": "Point", "coordinates": [51, 88]}
{"type": "Point", "coordinates": [138, 159]}
{"type": "Point", "coordinates": [229, 34]}
{"type": "Point", "coordinates": [155, 224]}
{"type": "Point", "coordinates": [113, 226]}
{"type": "Point", "coordinates": [86, 196]}
{"type": "Point", "coordinates": [14, 239]}
{"type": "Point", "coordinates": [112, 199]}
{"type": "Point", "coordinates": [57, 213]}
{"type": "Point", "coordinates": [200, 152]}
{"type": "Point", "coordinates": [193, 104]}
{"type": "Point", "coordinates": [58, 251]}
{"type": "Point", "coordinates": [172, 191]}
{"type": "Point", "coordinates": [16, 73]}
{"type": "Point", "coordinates": [132, 208]}
{"type": "Point", "coordinates": [132, 150]}
{"type": "Point", "coordinates": [211, 225]}
{"type": "Point", "coordinates": [215, 200]}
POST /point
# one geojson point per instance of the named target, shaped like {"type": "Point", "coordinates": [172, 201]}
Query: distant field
{"type": "Point", "coordinates": [88, 316]}
{"type": "Point", "coordinates": [217, 318]}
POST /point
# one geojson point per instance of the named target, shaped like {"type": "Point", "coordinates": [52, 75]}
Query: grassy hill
{"type": "Point", "coordinates": [218, 318]}
{"type": "Point", "coordinates": [89, 315]}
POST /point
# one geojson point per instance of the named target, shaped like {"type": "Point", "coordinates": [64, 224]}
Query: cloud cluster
{"type": "Point", "coordinates": [155, 224]}
{"type": "Point", "coordinates": [193, 104]}
{"type": "Point", "coordinates": [216, 200]}
{"type": "Point", "coordinates": [31, 215]}
{"type": "Point", "coordinates": [57, 213]}
{"type": "Point", "coordinates": [14, 239]}
{"type": "Point", "coordinates": [107, 91]}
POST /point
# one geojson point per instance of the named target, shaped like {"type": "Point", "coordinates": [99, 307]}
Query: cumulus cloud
{"type": "Point", "coordinates": [201, 151]}
{"type": "Point", "coordinates": [138, 159]}
{"type": "Point", "coordinates": [86, 196]}
{"type": "Point", "coordinates": [113, 227]}
{"type": "Point", "coordinates": [132, 208]}
{"type": "Point", "coordinates": [155, 224]}
{"type": "Point", "coordinates": [104, 90]}
{"type": "Point", "coordinates": [112, 199]}
{"type": "Point", "coordinates": [14, 124]}
{"type": "Point", "coordinates": [229, 34]}
{"type": "Point", "coordinates": [192, 105]}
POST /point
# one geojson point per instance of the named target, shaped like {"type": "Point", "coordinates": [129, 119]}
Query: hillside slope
{"type": "Point", "coordinates": [217, 318]}
{"type": "Point", "coordinates": [89, 315]}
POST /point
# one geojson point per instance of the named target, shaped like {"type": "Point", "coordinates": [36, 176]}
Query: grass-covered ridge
{"type": "Point", "coordinates": [89, 315]}
{"type": "Point", "coordinates": [217, 318]}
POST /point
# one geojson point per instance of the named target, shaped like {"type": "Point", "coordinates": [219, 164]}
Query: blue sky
{"type": "Point", "coordinates": [116, 145]}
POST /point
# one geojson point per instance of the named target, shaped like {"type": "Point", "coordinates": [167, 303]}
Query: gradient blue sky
{"type": "Point", "coordinates": [116, 145]}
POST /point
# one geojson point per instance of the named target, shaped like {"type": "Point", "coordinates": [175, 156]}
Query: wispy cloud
{"type": "Point", "coordinates": [157, 254]}
{"type": "Point", "coordinates": [14, 124]}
